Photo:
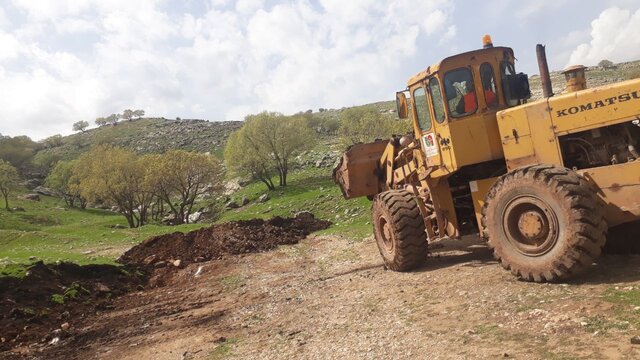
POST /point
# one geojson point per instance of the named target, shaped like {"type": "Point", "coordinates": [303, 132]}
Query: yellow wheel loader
{"type": "Point", "coordinates": [542, 181]}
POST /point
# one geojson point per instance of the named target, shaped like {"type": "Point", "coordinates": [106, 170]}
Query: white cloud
{"type": "Point", "coordinates": [234, 59]}
{"type": "Point", "coordinates": [75, 26]}
{"type": "Point", "coordinates": [4, 20]}
{"type": "Point", "coordinates": [528, 9]}
{"type": "Point", "coordinates": [614, 36]}
{"type": "Point", "coordinates": [10, 46]}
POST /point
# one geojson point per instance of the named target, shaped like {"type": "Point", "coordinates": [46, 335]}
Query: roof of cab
{"type": "Point", "coordinates": [430, 70]}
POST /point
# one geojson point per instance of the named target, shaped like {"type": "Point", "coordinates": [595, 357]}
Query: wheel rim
{"type": "Point", "coordinates": [530, 225]}
{"type": "Point", "coordinates": [386, 234]}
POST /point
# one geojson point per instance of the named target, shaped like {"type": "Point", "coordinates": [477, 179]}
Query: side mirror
{"type": "Point", "coordinates": [519, 85]}
{"type": "Point", "coordinates": [401, 105]}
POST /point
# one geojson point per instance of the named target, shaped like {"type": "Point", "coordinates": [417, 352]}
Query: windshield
{"type": "Point", "coordinates": [460, 91]}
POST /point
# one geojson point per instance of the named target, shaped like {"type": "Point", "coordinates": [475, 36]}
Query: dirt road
{"type": "Point", "coordinates": [328, 298]}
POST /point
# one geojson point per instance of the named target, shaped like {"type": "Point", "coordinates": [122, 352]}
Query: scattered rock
{"type": "Point", "coordinates": [306, 215]}
{"type": "Point", "coordinates": [193, 218]}
{"type": "Point", "coordinates": [198, 271]}
{"type": "Point", "coordinates": [32, 183]}
{"type": "Point", "coordinates": [232, 205]}
{"type": "Point", "coordinates": [45, 191]}
{"type": "Point", "coordinates": [264, 198]}
{"type": "Point", "coordinates": [635, 340]}
{"type": "Point", "coordinates": [102, 288]}
{"type": "Point", "coordinates": [244, 201]}
{"type": "Point", "coordinates": [168, 219]}
{"type": "Point", "coordinates": [65, 326]}
{"type": "Point", "coordinates": [148, 260]}
{"type": "Point", "coordinates": [159, 264]}
{"type": "Point", "coordinates": [177, 263]}
{"type": "Point", "coordinates": [32, 258]}
{"type": "Point", "coordinates": [88, 252]}
{"type": "Point", "coordinates": [32, 197]}
{"type": "Point", "coordinates": [18, 208]}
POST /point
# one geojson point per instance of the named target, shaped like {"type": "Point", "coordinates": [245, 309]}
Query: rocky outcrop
{"type": "Point", "coordinates": [193, 135]}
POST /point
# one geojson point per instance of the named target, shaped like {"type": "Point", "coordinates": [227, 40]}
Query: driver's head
{"type": "Point", "coordinates": [468, 86]}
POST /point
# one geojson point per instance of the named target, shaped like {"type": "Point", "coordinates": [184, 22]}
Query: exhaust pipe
{"type": "Point", "coordinates": [545, 78]}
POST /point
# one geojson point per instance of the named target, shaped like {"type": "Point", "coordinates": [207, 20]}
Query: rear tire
{"type": "Point", "coordinates": [544, 223]}
{"type": "Point", "coordinates": [399, 230]}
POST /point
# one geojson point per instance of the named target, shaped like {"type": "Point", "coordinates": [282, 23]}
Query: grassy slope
{"type": "Point", "coordinates": [311, 190]}
{"type": "Point", "coordinates": [51, 232]}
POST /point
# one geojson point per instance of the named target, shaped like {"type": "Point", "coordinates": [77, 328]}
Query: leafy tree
{"type": "Point", "coordinates": [114, 175]}
{"type": "Point", "coordinates": [138, 113]}
{"type": "Point", "coordinates": [44, 161]}
{"type": "Point", "coordinates": [113, 119]}
{"type": "Point", "coordinates": [277, 138]}
{"type": "Point", "coordinates": [605, 64]}
{"type": "Point", "coordinates": [18, 150]}
{"type": "Point", "coordinates": [101, 121]}
{"type": "Point", "coordinates": [80, 126]}
{"type": "Point", "coordinates": [247, 163]}
{"type": "Point", "coordinates": [178, 177]}
{"type": "Point", "coordinates": [363, 125]}
{"type": "Point", "coordinates": [8, 180]}
{"type": "Point", "coordinates": [127, 114]}
{"type": "Point", "coordinates": [63, 179]}
{"type": "Point", "coordinates": [52, 141]}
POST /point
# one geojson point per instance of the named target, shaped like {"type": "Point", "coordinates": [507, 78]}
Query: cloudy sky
{"type": "Point", "coordinates": [67, 60]}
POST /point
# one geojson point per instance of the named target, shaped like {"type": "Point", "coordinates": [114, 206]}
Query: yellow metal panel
{"type": "Point", "coordinates": [528, 135]}
{"type": "Point", "coordinates": [475, 139]}
{"type": "Point", "coordinates": [619, 187]}
{"type": "Point", "coordinates": [596, 107]}
{"type": "Point", "coordinates": [479, 190]}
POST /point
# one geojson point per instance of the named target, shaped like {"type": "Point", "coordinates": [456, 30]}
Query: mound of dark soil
{"type": "Point", "coordinates": [33, 307]}
{"type": "Point", "coordinates": [232, 238]}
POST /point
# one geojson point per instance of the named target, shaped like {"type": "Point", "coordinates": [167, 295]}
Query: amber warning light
{"type": "Point", "coordinates": [486, 41]}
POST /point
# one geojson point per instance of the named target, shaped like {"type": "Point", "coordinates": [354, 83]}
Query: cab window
{"type": "Point", "coordinates": [422, 109]}
{"type": "Point", "coordinates": [436, 99]}
{"type": "Point", "coordinates": [460, 92]}
{"type": "Point", "coordinates": [488, 85]}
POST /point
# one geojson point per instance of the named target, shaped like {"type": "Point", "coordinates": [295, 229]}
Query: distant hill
{"type": "Point", "coordinates": [147, 135]}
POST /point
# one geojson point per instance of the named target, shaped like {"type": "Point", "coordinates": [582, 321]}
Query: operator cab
{"type": "Point", "coordinates": [456, 100]}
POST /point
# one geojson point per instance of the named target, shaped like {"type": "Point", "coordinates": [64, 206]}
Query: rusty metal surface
{"type": "Point", "coordinates": [547, 90]}
{"type": "Point", "coordinates": [619, 187]}
{"type": "Point", "coordinates": [357, 172]}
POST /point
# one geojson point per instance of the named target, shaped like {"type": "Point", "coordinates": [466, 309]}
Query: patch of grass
{"type": "Point", "coordinates": [485, 329]}
{"type": "Point", "coordinates": [50, 232]}
{"type": "Point", "coordinates": [625, 297]}
{"type": "Point", "coordinates": [232, 282]}
{"type": "Point", "coordinates": [73, 292]}
{"type": "Point", "coordinates": [13, 270]}
{"type": "Point", "coordinates": [601, 325]}
{"type": "Point", "coordinates": [57, 299]}
{"type": "Point", "coordinates": [555, 355]}
{"type": "Point", "coordinates": [223, 350]}
{"type": "Point", "coordinates": [311, 190]}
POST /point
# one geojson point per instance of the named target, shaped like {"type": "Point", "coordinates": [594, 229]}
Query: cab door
{"type": "Point", "coordinates": [424, 122]}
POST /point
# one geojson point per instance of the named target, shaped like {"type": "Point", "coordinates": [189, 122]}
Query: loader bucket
{"type": "Point", "coordinates": [357, 172]}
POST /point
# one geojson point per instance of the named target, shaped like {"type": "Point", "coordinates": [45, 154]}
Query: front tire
{"type": "Point", "coordinates": [399, 230]}
{"type": "Point", "coordinates": [544, 223]}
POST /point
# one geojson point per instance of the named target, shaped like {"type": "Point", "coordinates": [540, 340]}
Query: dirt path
{"type": "Point", "coordinates": [327, 297]}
